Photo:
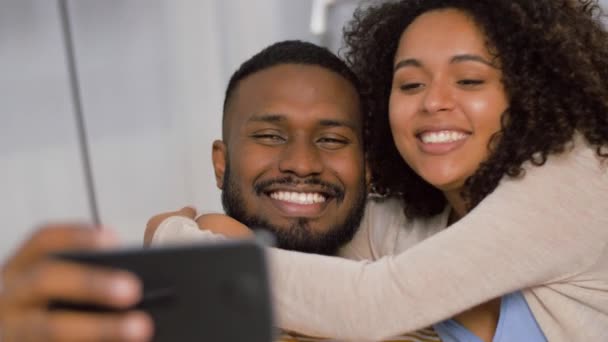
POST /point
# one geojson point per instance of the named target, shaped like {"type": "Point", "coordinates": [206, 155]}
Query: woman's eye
{"type": "Point", "coordinates": [333, 140]}
{"type": "Point", "coordinates": [470, 82]}
{"type": "Point", "coordinates": [410, 86]}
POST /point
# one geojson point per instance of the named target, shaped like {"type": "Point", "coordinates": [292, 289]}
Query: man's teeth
{"type": "Point", "coordinates": [298, 197]}
{"type": "Point", "coordinates": [442, 137]}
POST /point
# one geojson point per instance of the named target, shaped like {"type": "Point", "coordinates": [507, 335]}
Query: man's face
{"type": "Point", "coordinates": [292, 161]}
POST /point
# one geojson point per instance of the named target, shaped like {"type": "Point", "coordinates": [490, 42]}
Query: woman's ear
{"type": "Point", "coordinates": [219, 154]}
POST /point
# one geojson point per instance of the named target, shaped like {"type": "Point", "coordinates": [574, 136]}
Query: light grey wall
{"type": "Point", "coordinates": [40, 173]}
{"type": "Point", "coordinates": [152, 76]}
{"type": "Point", "coordinates": [125, 65]}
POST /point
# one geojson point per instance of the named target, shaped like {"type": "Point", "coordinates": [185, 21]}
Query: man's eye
{"type": "Point", "coordinates": [332, 143]}
{"type": "Point", "coordinates": [269, 138]}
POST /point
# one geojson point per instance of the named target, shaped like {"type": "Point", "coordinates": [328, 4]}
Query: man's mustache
{"type": "Point", "coordinates": [331, 189]}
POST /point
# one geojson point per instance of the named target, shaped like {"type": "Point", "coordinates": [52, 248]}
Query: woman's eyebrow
{"type": "Point", "coordinates": [471, 58]}
{"type": "Point", "coordinates": [407, 62]}
{"type": "Point", "coordinates": [413, 62]}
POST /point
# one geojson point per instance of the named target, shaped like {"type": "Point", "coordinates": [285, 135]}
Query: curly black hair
{"type": "Point", "coordinates": [554, 59]}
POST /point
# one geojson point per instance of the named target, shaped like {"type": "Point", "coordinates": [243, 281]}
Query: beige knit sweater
{"type": "Point", "coordinates": [546, 233]}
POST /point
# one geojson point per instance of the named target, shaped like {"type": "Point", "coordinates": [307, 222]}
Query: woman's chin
{"type": "Point", "coordinates": [446, 185]}
{"type": "Point", "coordinates": [443, 176]}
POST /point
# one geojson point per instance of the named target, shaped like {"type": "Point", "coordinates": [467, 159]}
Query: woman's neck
{"type": "Point", "coordinates": [457, 203]}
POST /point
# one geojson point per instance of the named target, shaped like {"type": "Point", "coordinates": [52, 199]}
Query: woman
{"type": "Point", "coordinates": [498, 111]}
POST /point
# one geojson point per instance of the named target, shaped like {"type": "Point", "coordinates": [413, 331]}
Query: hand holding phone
{"type": "Point", "coordinates": [31, 279]}
{"type": "Point", "coordinates": [203, 292]}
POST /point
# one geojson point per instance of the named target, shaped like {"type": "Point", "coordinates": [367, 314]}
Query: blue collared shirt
{"type": "Point", "coordinates": [515, 323]}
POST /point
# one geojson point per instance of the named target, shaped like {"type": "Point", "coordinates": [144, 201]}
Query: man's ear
{"type": "Point", "coordinates": [219, 154]}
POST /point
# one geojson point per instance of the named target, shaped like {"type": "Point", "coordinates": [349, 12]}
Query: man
{"type": "Point", "coordinates": [291, 158]}
{"type": "Point", "coordinates": [291, 161]}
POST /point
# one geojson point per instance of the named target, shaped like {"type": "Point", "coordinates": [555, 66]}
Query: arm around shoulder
{"type": "Point", "coordinates": [545, 227]}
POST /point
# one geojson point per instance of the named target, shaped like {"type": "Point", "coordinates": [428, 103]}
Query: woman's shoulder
{"type": "Point", "coordinates": [577, 171]}
{"type": "Point", "coordinates": [585, 157]}
{"type": "Point", "coordinates": [578, 156]}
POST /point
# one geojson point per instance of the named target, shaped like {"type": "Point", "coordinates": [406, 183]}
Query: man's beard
{"type": "Point", "coordinates": [298, 236]}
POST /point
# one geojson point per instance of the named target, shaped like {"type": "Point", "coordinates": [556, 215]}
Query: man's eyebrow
{"type": "Point", "coordinates": [337, 123]}
{"type": "Point", "coordinates": [277, 118]}
{"type": "Point", "coordinates": [267, 117]}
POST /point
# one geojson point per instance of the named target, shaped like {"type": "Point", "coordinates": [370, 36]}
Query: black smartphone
{"type": "Point", "coordinates": [203, 292]}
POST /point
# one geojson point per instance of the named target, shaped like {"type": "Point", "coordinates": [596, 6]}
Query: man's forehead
{"type": "Point", "coordinates": [285, 92]}
{"type": "Point", "coordinates": [350, 121]}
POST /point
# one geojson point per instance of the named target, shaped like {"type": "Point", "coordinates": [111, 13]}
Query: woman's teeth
{"type": "Point", "coordinates": [442, 137]}
{"type": "Point", "coordinates": [298, 197]}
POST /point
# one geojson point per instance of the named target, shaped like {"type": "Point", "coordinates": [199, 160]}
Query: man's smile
{"type": "Point", "coordinates": [300, 203]}
{"type": "Point", "coordinates": [304, 198]}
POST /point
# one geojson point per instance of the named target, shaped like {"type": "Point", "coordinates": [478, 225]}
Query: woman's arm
{"type": "Point", "coordinates": [224, 225]}
{"type": "Point", "coordinates": [547, 227]}
{"type": "Point", "coordinates": [181, 227]}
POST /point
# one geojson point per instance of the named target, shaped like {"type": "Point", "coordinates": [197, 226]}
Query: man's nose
{"type": "Point", "coordinates": [301, 158]}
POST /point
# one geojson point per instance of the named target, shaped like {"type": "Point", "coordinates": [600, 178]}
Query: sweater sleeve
{"type": "Point", "coordinates": [175, 230]}
{"type": "Point", "coordinates": [547, 227]}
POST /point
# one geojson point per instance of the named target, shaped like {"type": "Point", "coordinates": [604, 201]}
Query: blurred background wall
{"type": "Point", "coordinates": [151, 77]}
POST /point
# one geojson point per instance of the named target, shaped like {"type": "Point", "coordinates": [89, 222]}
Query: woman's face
{"type": "Point", "coordinates": [447, 98]}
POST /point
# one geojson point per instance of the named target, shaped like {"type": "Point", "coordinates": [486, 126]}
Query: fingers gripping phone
{"type": "Point", "coordinates": [205, 292]}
